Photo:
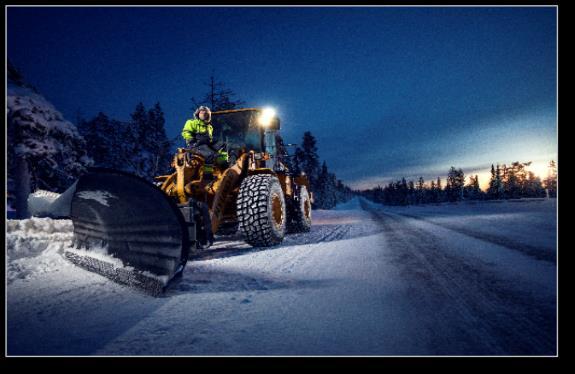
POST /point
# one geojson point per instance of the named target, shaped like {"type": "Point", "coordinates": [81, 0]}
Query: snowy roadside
{"type": "Point", "coordinates": [367, 280]}
{"type": "Point", "coordinates": [526, 225]}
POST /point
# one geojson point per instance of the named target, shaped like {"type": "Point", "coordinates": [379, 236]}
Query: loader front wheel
{"type": "Point", "coordinates": [261, 210]}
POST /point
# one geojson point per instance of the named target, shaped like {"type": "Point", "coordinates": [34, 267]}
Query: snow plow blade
{"type": "Point", "coordinates": [128, 230]}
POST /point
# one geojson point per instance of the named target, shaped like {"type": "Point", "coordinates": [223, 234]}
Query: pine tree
{"type": "Point", "coordinates": [476, 189]}
{"type": "Point", "coordinates": [492, 190]}
{"type": "Point", "coordinates": [534, 186]}
{"type": "Point", "coordinates": [432, 193]}
{"type": "Point", "coordinates": [455, 183]}
{"type": "Point", "coordinates": [321, 187]}
{"type": "Point", "coordinates": [411, 194]}
{"type": "Point", "coordinates": [343, 192]}
{"type": "Point", "coordinates": [218, 97]}
{"type": "Point", "coordinates": [99, 134]}
{"type": "Point", "coordinates": [420, 191]}
{"type": "Point", "coordinates": [119, 150]}
{"type": "Point", "coordinates": [308, 159]}
{"type": "Point", "coordinates": [403, 192]}
{"type": "Point", "coordinates": [157, 142]}
{"type": "Point", "coordinates": [512, 181]}
{"type": "Point", "coordinates": [499, 188]}
{"type": "Point", "coordinates": [472, 190]}
{"type": "Point", "coordinates": [148, 146]}
{"type": "Point", "coordinates": [551, 180]}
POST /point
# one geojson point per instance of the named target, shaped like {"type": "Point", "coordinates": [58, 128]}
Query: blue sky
{"type": "Point", "coordinates": [387, 91]}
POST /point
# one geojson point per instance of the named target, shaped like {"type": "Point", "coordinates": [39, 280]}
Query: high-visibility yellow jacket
{"type": "Point", "coordinates": [196, 126]}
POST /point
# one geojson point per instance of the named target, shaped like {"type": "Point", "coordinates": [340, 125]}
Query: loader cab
{"type": "Point", "coordinates": [250, 129]}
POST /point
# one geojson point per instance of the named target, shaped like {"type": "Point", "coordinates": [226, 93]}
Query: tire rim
{"type": "Point", "coordinates": [277, 211]}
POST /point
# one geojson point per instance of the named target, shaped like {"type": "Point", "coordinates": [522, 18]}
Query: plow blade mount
{"type": "Point", "coordinates": [128, 230]}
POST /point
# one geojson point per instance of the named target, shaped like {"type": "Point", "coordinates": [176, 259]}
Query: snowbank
{"type": "Point", "coordinates": [34, 246]}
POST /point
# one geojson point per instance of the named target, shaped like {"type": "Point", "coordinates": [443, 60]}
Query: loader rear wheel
{"type": "Point", "coordinates": [261, 210]}
{"type": "Point", "coordinates": [227, 228]}
{"type": "Point", "coordinates": [300, 218]}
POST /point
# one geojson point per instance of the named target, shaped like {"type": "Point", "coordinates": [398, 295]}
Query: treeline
{"type": "Point", "coordinates": [327, 190]}
{"type": "Point", "coordinates": [47, 152]}
{"type": "Point", "coordinates": [139, 146]}
{"type": "Point", "coordinates": [507, 182]}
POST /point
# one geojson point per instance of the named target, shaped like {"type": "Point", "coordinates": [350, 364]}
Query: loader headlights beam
{"type": "Point", "coordinates": [266, 117]}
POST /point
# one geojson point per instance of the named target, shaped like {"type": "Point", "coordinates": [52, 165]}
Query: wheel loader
{"type": "Point", "coordinates": [141, 233]}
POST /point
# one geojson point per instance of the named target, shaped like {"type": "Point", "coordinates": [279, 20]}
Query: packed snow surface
{"type": "Point", "coordinates": [450, 279]}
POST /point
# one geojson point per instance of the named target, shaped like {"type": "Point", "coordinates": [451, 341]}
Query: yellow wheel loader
{"type": "Point", "coordinates": [141, 233]}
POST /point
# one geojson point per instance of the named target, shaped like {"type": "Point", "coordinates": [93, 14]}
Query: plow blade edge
{"type": "Point", "coordinates": [127, 229]}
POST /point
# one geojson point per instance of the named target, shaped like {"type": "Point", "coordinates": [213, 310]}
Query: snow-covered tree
{"type": "Point", "coordinates": [45, 151]}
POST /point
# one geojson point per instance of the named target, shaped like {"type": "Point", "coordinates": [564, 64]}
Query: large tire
{"type": "Point", "coordinates": [261, 210]}
{"type": "Point", "coordinates": [300, 217]}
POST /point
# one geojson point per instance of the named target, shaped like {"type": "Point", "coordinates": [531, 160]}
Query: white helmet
{"type": "Point", "coordinates": [197, 113]}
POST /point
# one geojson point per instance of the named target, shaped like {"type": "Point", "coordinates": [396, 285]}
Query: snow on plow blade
{"type": "Point", "coordinates": [128, 230]}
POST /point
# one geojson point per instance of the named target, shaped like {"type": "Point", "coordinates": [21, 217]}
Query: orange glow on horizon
{"type": "Point", "coordinates": [539, 168]}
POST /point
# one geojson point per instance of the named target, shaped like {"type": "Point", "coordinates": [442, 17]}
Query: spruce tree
{"type": "Point", "coordinates": [218, 97]}
{"type": "Point", "coordinates": [439, 190]}
{"type": "Point", "coordinates": [420, 191]}
{"type": "Point", "coordinates": [492, 190]}
{"type": "Point", "coordinates": [433, 192]}
{"type": "Point", "coordinates": [308, 159]}
{"type": "Point", "coordinates": [157, 141]}
{"type": "Point", "coordinates": [411, 193]}
{"type": "Point", "coordinates": [551, 180]}
{"type": "Point", "coordinates": [455, 183]}
{"type": "Point", "coordinates": [472, 190]}
{"type": "Point", "coordinates": [499, 188]}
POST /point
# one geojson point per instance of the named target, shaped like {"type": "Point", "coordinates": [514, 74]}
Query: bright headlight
{"type": "Point", "coordinates": [266, 117]}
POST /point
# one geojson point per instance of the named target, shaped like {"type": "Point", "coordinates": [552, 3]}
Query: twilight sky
{"type": "Point", "coordinates": [387, 91]}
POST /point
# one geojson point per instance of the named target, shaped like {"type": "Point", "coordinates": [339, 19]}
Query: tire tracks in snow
{"type": "Point", "coordinates": [466, 308]}
{"type": "Point", "coordinates": [283, 259]}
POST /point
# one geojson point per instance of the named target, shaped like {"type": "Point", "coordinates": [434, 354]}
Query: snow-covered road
{"type": "Point", "coordinates": [367, 280]}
